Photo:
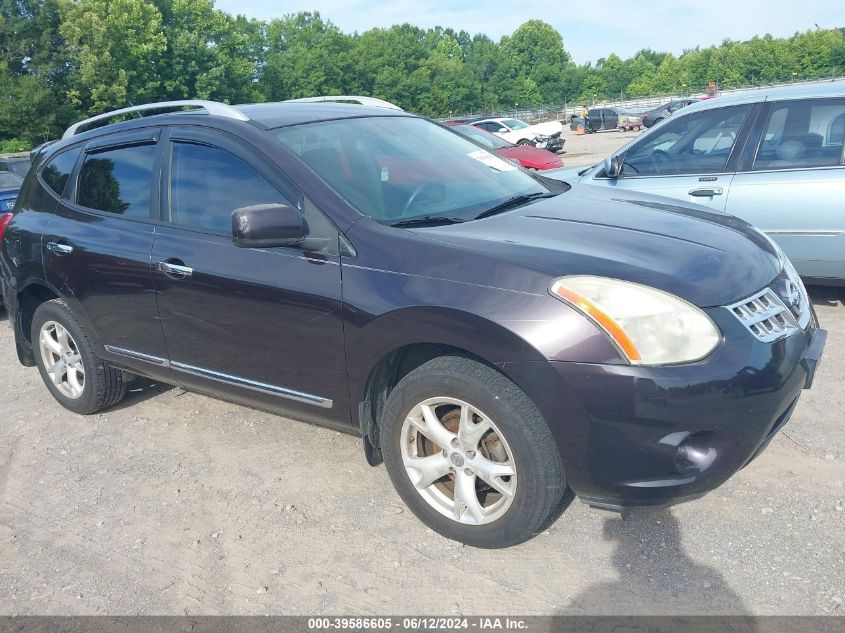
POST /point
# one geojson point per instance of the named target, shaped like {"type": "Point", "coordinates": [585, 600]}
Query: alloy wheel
{"type": "Point", "coordinates": [62, 360]}
{"type": "Point", "coordinates": [458, 460]}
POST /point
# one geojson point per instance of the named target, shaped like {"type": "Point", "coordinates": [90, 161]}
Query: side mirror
{"type": "Point", "coordinates": [267, 225]}
{"type": "Point", "coordinates": [612, 166]}
{"type": "Point", "coordinates": [503, 130]}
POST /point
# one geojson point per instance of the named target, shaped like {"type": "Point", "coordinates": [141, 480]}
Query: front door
{"type": "Point", "coordinates": [258, 325]}
{"type": "Point", "coordinates": [795, 187]}
{"type": "Point", "coordinates": [689, 158]}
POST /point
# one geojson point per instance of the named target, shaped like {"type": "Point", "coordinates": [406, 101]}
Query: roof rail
{"type": "Point", "coordinates": [366, 101]}
{"type": "Point", "coordinates": [211, 107]}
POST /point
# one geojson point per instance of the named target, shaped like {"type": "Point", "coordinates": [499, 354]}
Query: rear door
{"type": "Point", "coordinates": [611, 119]}
{"type": "Point", "coordinates": [793, 185]}
{"type": "Point", "coordinates": [259, 325]}
{"type": "Point", "coordinates": [595, 118]}
{"type": "Point", "coordinates": [691, 158]}
{"type": "Point", "coordinates": [97, 246]}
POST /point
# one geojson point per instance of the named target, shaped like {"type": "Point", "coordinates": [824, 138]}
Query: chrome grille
{"type": "Point", "coordinates": [765, 316]}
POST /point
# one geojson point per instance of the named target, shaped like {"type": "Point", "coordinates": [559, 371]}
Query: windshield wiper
{"type": "Point", "coordinates": [515, 201]}
{"type": "Point", "coordinates": [426, 220]}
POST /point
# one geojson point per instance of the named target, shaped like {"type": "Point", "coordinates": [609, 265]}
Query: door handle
{"type": "Point", "coordinates": [706, 193]}
{"type": "Point", "coordinates": [176, 270]}
{"type": "Point", "coordinates": [57, 248]}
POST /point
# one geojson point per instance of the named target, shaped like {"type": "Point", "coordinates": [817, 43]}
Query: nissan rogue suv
{"type": "Point", "coordinates": [493, 336]}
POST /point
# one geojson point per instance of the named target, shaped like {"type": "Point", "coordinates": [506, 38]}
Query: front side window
{"type": "Point", "coordinates": [207, 184]}
{"type": "Point", "coordinates": [369, 162]}
{"type": "Point", "coordinates": [699, 143]}
{"type": "Point", "coordinates": [803, 134]}
{"type": "Point", "coordinates": [516, 124]}
{"type": "Point", "coordinates": [57, 172]}
{"type": "Point", "coordinates": [118, 180]}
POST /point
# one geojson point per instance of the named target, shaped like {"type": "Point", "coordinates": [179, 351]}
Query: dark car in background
{"type": "Point", "coordinates": [10, 185]}
{"type": "Point", "coordinates": [599, 119]}
{"type": "Point", "coordinates": [656, 115]}
{"type": "Point", "coordinates": [494, 336]}
{"type": "Point", "coordinates": [18, 165]}
{"type": "Point", "coordinates": [526, 155]}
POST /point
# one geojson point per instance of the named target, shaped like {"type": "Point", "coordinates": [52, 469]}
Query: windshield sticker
{"type": "Point", "coordinates": [483, 156]}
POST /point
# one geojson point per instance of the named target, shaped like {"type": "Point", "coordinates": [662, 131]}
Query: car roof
{"type": "Point", "coordinates": [801, 91]}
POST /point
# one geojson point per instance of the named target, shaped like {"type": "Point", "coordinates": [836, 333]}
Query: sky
{"type": "Point", "coordinates": [590, 29]}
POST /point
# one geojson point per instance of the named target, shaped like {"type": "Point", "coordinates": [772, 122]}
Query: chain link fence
{"type": "Point", "coordinates": [561, 111]}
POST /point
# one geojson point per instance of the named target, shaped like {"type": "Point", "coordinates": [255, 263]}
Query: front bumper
{"type": "Point", "coordinates": [634, 436]}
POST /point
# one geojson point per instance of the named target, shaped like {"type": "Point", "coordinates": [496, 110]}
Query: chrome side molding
{"type": "Point", "coordinates": [275, 390]}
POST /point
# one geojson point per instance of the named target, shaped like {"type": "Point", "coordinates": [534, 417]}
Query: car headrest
{"type": "Point", "coordinates": [790, 150]}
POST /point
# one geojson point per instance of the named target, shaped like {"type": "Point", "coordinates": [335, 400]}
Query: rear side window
{"type": "Point", "coordinates": [118, 181]}
{"type": "Point", "coordinates": [56, 173]}
{"type": "Point", "coordinates": [207, 184]}
{"type": "Point", "coordinates": [803, 134]}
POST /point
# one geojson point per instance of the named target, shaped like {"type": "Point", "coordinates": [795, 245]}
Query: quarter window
{"type": "Point", "coordinates": [699, 143]}
{"type": "Point", "coordinates": [207, 184]}
{"type": "Point", "coordinates": [118, 180]}
{"type": "Point", "coordinates": [57, 172]}
{"type": "Point", "coordinates": [802, 134]}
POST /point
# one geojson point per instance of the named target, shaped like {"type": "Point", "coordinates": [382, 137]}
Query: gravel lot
{"type": "Point", "coordinates": [175, 503]}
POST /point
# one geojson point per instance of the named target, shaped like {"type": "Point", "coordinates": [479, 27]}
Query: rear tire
{"type": "Point", "coordinates": [493, 480]}
{"type": "Point", "coordinates": [65, 357]}
{"type": "Point", "coordinates": [525, 141]}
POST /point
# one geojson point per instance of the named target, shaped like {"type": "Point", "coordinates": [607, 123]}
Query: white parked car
{"type": "Point", "coordinates": [542, 135]}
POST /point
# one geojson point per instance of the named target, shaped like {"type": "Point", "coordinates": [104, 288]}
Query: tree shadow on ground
{"type": "Point", "coordinates": [655, 574]}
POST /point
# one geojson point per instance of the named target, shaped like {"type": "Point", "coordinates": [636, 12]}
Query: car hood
{"type": "Point", "coordinates": [548, 128]}
{"type": "Point", "coordinates": [566, 174]}
{"type": "Point", "coordinates": [532, 156]}
{"type": "Point", "coordinates": [706, 258]}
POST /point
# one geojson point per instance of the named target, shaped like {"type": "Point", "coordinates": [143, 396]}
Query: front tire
{"type": "Point", "coordinates": [470, 454]}
{"type": "Point", "coordinates": [76, 378]}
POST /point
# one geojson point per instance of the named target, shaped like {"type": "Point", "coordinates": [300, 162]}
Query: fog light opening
{"type": "Point", "coordinates": [696, 452]}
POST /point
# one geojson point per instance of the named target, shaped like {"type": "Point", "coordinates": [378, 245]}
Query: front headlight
{"type": "Point", "coordinates": [649, 326]}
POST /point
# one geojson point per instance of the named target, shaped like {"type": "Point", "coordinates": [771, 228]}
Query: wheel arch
{"type": "Point", "coordinates": [28, 298]}
{"type": "Point", "coordinates": [395, 344]}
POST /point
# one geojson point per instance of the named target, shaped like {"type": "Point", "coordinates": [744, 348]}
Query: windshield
{"type": "Point", "coordinates": [8, 179]}
{"type": "Point", "coordinates": [490, 141]}
{"type": "Point", "coordinates": [396, 168]}
{"type": "Point", "coordinates": [515, 124]}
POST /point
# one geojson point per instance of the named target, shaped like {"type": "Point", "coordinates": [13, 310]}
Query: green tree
{"type": "Point", "coordinates": [306, 56]}
{"type": "Point", "coordinates": [537, 51]}
{"type": "Point", "coordinates": [117, 50]}
{"type": "Point", "coordinates": [210, 54]}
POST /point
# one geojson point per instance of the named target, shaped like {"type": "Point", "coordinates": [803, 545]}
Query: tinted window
{"type": "Point", "coordinates": [57, 172]}
{"type": "Point", "coordinates": [490, 126]}
{"type": "Point", "coordinates": [208, 183]}
{"type": "Point", "coordinates": [699, 143]}
{"type": "Point", "coordinates": [803, 134]}
{"type": "Point", "coordinates": [118, 180]}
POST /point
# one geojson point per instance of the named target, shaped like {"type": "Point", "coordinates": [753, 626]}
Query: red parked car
{"type": "Point", "coordinates": [527, 156]}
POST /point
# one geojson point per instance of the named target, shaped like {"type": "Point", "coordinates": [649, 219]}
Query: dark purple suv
{"type": "Point", "coordinates": [494, 337]}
